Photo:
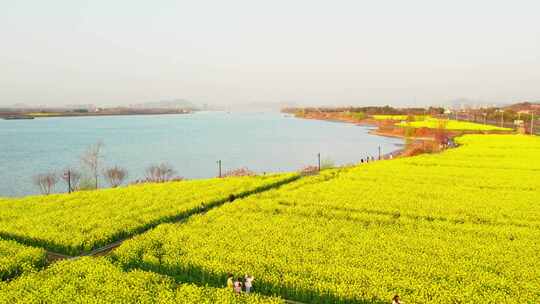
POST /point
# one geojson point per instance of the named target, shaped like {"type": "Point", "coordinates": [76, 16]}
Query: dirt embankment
{"type": "Point", "coordinates": [384, 127]}
{"type": "Point", "coordinates": [418, 140]}
{"type": "Point", "coordinates": [330, 116]}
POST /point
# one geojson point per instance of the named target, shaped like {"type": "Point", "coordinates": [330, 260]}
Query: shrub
{"type": "Point", "coordinates": [309, 170]}
{"type": "Point", "coordinates": [239, 172]}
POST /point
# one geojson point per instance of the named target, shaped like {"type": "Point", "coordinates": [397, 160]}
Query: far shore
{"type": "Point", "coordinates": [116, 112]}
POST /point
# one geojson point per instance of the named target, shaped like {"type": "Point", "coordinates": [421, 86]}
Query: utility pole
{"type": "Point", "coordinates": [319, 160]}
{"type": "Point", "coordinates": [379, 152]}
{"type": "Point", "coordinates": [67, 174]}
{"type": "Point", "coordinates": [502, 118]}
{"type": "Point", "coordinates": [532, 123]}
{"type": "Point", "coordinates": [219, 167]}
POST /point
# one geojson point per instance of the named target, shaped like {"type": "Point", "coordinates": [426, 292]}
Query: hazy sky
{"type": "Point", "coordinates": [315, 52]}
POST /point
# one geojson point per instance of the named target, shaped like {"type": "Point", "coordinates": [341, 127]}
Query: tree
{"type": "Point", "coordinates": [160, 173]}
{"type": "Point", "coordinates": [441, 135]}
{"type": "Point", "coordinates": [72, 178]}
{"type": "Point", "coordinates": [91, 159]}
{"type": "Point", "coordinates": [45, 182]}
{"type": "Point", "coordinates": [115, 176]}
{"type": "Point", "coordinates": [409, 131]}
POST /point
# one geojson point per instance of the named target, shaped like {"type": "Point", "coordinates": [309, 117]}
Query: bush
{"type": "Point", "coordinates": [309, 170]}
{"type": "Point", "coordinates": [115, 176]}
{"type": "Point", "coordinates": [239, 172]}
{"type": "Point", "coordinates": [327, 163]}
{"type": "Point", "coordinates": [87, 183]}
{"type": "Point", "coordinates": [160, 173]}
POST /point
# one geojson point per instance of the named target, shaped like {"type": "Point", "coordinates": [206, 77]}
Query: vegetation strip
{"type": "Point", "coordinates": [449, 124]}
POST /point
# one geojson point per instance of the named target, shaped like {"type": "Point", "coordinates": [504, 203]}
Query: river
{"type": "Point", "coordinates": [191, 143]}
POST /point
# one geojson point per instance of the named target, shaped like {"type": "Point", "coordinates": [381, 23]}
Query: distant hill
{"type": "Point", "coordinates": [525, 107]}
{"type": "Point", "coordinates": [259, 106]}
{"type": "Point", "coordinates": [467, 103]}
{"type": "Point", "coordinates": [174, 104]}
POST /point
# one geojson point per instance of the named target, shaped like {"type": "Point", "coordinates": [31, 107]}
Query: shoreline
{"type": "Point", "coordinates": [422, 141]}
{"type": "Point", "coordinates": [29, 116]}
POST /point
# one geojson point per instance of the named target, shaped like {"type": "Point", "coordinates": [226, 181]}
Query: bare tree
{"type": "Point", "coordinates": [115, 176]}
{"type": "Point", "coordinates": [72, 178]}
{"type": "Point", "coordinates": [160, 173]}
{"type": "Point", "coordinates": [45, 182]}
{"type": "Point", "coordinates": [92, 159]}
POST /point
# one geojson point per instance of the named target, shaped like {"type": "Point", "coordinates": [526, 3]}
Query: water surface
{"type": "Point", "coordinates": [191, 143]}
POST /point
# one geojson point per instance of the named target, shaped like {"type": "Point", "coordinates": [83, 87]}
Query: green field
{"type": "Point", "coordinates": [96, 280]}
{"type": "Point", "coordinates": [454, 125]}
{"type": "Point", "coordinates": [82, 221]}
{"type": "Point", "coordinates": [16, 259]}
{"type": "Point", "coordinates": [458, 227]}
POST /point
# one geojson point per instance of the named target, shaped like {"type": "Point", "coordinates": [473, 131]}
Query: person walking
{"type": "Point", "coordinates": [396, 300]}
{"type": "Point", "coordinates": [238, 286]}
{"type": "Point", "coordinates": [230, 284]}
{"type": "Point", "coordinates": [248, 282]}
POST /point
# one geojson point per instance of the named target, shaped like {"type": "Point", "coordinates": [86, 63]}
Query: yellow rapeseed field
{"type": "Point", "coordinates": [457, 227]}
{"type": "Point", "coordinates": [81, 221]}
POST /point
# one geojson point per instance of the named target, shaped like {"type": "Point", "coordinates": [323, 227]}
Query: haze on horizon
{"type": "Point", "coordinates": [309, 52]}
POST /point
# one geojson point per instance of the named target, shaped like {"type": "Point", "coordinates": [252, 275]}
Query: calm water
{"type": "Point", "coordinates": [262, 142]}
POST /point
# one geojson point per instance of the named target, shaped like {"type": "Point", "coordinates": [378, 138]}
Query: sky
{"type": "Point", "coordinates": [309, 52]}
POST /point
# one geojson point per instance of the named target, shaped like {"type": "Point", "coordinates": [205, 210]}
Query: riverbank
{"type": "Point", "coordinates": [418, 140]}
{"type": "Point", "coordinates": [113, 112]}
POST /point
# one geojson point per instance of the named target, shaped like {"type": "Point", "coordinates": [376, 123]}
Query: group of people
{"type": "Point", "coordinates": [246, 284]}
{"type": "Point", "coordinates": [371, 158]}
{"type": "Point", "coordinates": [367, 159]}
{"type": "Point", "coordinates": [239, 284]}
